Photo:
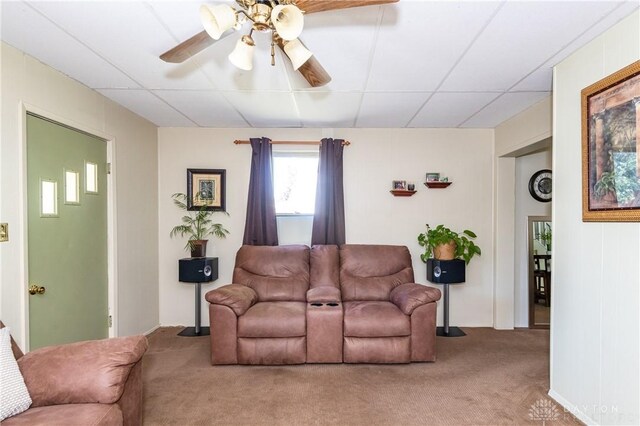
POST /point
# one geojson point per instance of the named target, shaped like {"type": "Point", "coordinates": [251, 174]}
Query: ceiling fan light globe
{"type": "Point", "coordinates": [288, 21]}
{"type": "Point", "coordinates": [297, 52]}
{"type": "Point", "coordinates": [217, 19]}
{"type": "Point", "coordinates": [242, 55]}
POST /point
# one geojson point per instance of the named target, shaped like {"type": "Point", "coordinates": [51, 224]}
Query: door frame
{"type": "Point", "coordinates": [112, 270]}
{"type": "Point", "coordinates": [531, 286]}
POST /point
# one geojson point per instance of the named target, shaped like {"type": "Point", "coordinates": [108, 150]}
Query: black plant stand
{"type": "Point", "coordinates": [447, 331]}
{"type": "Point", "coordinates": [197, 330]}
{"type": "Point", "coordinates": [446, 272]}
{"type": "Point", "coordinates": [197, 270]}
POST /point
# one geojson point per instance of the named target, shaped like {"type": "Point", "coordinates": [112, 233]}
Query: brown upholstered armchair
{"type": "Point", "coordinates": [260, 318]}
{"type": "Point", "coordinates": [387, 317]}
{"type": "Point", "coordinates": [90, 383]}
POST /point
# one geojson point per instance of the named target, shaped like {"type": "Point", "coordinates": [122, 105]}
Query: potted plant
{"type": "Point", "coordinates": [444, 244]}
{"type": "Point", "coordinates": [197, 226]}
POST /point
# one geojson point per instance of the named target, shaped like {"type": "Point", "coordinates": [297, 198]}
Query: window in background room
{"type": "Point", "coordinates": [294, 182]}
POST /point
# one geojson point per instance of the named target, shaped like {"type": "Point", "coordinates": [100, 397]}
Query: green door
{"type": "Point", "coordinates": [67, 227]}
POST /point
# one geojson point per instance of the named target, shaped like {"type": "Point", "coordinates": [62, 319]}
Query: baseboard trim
{"type": "Point", "coordinates": [148, 332]}
{"type": "Point", "coordinates": [571, 408]}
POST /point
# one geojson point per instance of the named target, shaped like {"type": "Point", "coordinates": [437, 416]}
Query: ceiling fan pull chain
{"type": "Point", "coordinates": [273, 49]}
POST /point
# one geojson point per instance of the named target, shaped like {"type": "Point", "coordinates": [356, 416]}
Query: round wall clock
{"type": "Point", "coordinates": [540, 185]}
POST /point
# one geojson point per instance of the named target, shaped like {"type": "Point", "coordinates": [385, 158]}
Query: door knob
{"type": "Point", "coordinates": [34, 288]}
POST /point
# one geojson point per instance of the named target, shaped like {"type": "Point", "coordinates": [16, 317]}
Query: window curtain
{"type": "Point", "coordinates": [261, 228]}
{"type": "Point", "coordinates": [328, 221]}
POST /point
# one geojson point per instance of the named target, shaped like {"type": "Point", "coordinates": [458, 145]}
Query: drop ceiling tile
{"type": "Point", "coordinates": [389, 109]}
{"type": "Point", "coordinates": [342, 41]}
{"type": "Point", "coordinates": [522, 37]}
{"type": "Point", "coordinates": [451, 109]}
{"type": "Point", "coordinates": [60, 51]}
{"type": "Point", "coordinates": [541, 79]}
{"type": "Point", "coordinates": [503, 108]}
{"type": "Point", "coordinates": [328, 109]}
{"type": "Point", "coordinates": [181, 17]}
{"type": "Point", "coordinates": [146, 105]}
{"type": "Point", "coordinates": [206, 108]}
{"type": "Point", "coordinates": [265, 109]}
{"type": "Point", "coordinates": [419, 42]}
{"type": "Point", "coordinates": [129, 35]}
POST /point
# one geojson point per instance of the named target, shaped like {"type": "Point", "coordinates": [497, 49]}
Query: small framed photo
{"type": "Point", "coordinates": [206, 189]}
{"type": "Point", "coordinates": [433, 177]}
{"type": "Point", "coordinates": [400, 184]}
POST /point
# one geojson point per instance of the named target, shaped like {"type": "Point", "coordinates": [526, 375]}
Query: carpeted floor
{"type": "Point", "coordinates": [488, 377]}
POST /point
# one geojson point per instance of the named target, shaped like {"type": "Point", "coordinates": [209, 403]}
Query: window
{"type": "Point", "coordinates": [48, 198]}
{"type": "Point", "coordinates": [91, 178]}
{"type": "Point", "coordinates": [71, 187]}
{"type": "Point", "coordinates": [294, 182]}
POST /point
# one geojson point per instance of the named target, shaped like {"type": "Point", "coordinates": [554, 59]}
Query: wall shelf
{"type": "Point", "coordinates": [402, 192]}
{"type": "Point", "coordinates": [437, 185]}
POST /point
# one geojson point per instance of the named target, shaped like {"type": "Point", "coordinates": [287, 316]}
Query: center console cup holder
{"type": "Point", "coordinates": [332, 304]}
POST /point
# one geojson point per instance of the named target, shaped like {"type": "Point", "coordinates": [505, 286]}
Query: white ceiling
{"type": "Point", "coordinates": [409, 64]}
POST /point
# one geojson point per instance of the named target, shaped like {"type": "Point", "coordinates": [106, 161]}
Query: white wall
{"type": "Point", "coordinates": [526, 206]}
{"type": "Point", "coordinates": [595, 312]}
{"type": "Point", "coordinates": [374, 159]}
{"type": "Point", "coordinates": [25, 81]}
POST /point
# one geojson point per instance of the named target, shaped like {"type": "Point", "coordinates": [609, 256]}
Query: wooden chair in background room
{"type": "Point", "coordinates": [542, 277]}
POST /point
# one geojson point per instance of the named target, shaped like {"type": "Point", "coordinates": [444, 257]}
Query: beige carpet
{"type": "Point", "coordinates": [487, 377]}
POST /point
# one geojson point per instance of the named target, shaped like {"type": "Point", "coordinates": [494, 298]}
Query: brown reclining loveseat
{"type": "Point", "coordinates": [327, 304]}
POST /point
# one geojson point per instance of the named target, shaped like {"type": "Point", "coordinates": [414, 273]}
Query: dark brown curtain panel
{"type": "Point", "coordinates": [328, 220]}
{"type": "Point", "coordinates": [261, 228]}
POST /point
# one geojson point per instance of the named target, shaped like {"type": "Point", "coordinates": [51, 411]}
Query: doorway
{"type": "Point", "coordinates": [67, 237]}
{"type": "Point", "coordinates": [540, 259]}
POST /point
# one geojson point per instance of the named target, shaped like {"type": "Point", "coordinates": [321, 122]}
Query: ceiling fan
{"type": "Point", "coordinates": [284, 19]}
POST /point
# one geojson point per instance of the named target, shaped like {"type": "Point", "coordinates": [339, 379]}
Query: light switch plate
{"type": "Point", "coordinates": [4, 232]}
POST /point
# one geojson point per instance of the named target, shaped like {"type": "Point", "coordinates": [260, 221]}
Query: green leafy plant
{"type": "Point", "coordinates": [440, 235]}
{"type": "Point", "coordinates": [197, 224]}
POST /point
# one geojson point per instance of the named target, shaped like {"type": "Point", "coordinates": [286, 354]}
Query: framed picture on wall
{"type": "Point", "coordinates": [206, 189]}
{"type": "Point", "coordinates": [611, 148]}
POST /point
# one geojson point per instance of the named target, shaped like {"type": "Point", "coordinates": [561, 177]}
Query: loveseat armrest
{"type": "Point", "coordinates": [93, 371]}
{"type": "Point", "coordinates": [409, 296]}
{"type": "Point", "coordinates": [238, 297]}
{"type": "Point", "coordinates": [324, 294]}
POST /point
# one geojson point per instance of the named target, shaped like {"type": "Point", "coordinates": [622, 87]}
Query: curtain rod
{"type": "Point", "coordinates": [246, 142]}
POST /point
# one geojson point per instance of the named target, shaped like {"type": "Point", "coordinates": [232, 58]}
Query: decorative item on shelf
{"type": "Point", "coordinates": [411, 186]}
{"type": "Point", "coordinates": [432, 177]}
{"type": "Point", "coordinates": [444, 244]}
{"type": "Point", "coordinates": [197, 226]}
{"type": "Point", "coordinates": [400, 189]}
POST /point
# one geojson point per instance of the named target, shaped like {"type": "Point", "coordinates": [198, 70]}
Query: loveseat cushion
{"type": "Point", "coordinates": [278, 273]}
{"type": "Point", "coordinates": [375, 319]}
{"type": "Point", "coordinates": [370, 272]}
{"type": "Point", "coordinates": [68, 414]}
{"type": "Point", "coordinates": [274, 319]}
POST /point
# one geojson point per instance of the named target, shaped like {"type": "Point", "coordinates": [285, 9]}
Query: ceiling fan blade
{"type": "Point", "coordinates": [313, 6]}
{"type": "Point", "coordinates": [312, 70]}
{"type": "Point", "coordinates": [314, 73]}
{"type": "Point", "coordinates": [188, 48]}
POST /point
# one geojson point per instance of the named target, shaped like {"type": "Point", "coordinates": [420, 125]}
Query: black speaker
{"type": "Point", "coordinates": [198, 269]}
{"type": "Point", "coordinates": [445, 271]}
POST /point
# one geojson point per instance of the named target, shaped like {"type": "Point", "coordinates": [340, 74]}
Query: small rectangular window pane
{"type": "Point", "coordinates": [92, 178]}
{"type": "Point", "coordinates": [294, 182]}
{"type": "Point", "coordinates": [71, 186]}
{"type": "Point", "coordinates": [48, 198]}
